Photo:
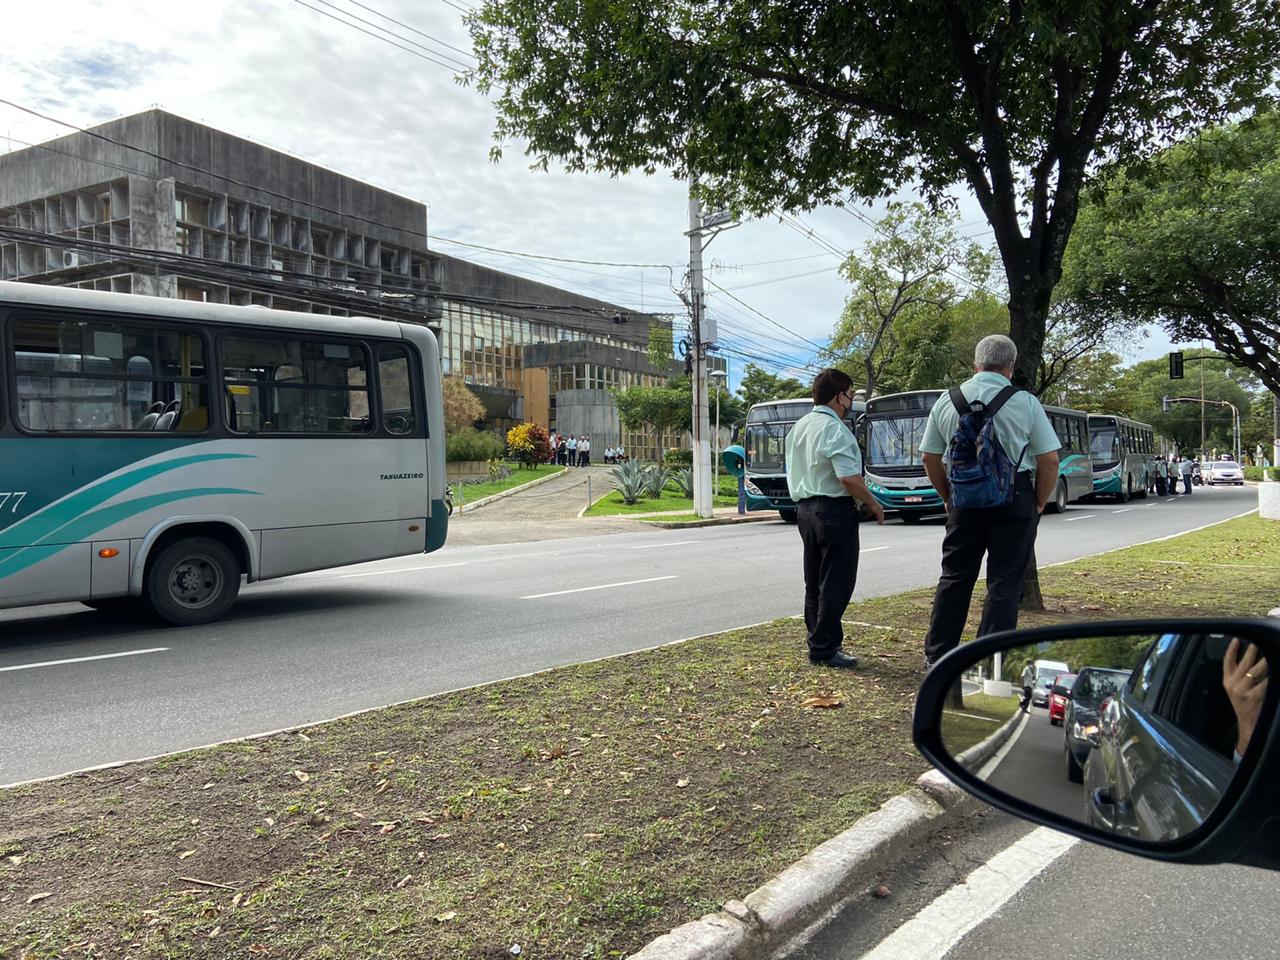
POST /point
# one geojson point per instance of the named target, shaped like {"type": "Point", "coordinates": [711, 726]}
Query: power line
{"type": "Point", "coordinates": [462, 64]}
{"type": "Point", "coordinates": [376, 36]}
{"type": "Point", "coordinates": [420, 33]}
{"type": "Point", "coordinates": [762, 316]}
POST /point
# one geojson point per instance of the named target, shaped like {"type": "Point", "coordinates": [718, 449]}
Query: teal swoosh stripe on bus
{"type": "Point", "coordinates": [82, 528]}
{"type": "Point", "coordinates": [40, 526]}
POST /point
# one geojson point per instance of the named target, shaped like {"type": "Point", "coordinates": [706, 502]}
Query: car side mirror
{"type": "Point", "coordinates": [1177, 757]}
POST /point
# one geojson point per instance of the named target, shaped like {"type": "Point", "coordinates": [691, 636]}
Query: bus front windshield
{"type": "Point", "coordinates": [895, 441]}
{"type": "Point", "coordinates": [1104, 445]}
{"type": "Point", "coordinates": [766, 447]}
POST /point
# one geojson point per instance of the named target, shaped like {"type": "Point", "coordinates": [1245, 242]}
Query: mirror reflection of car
{"type": "Point", "coordinates": [1186, 766]}
{"type": "Point", "coordinates": [1060, 696]}
{"type": "Point", "coordinates": [1164, 756]}
{"type": "Point", "coordinates": [1039, 676]}
{"type": "Point", "coordinates": [1080, 720]}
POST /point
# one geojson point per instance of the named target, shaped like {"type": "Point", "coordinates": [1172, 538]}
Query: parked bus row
{"type": "Point", "coordinates": [156, 452]}
{"type": "Point", "coordinates": [1101, 454]}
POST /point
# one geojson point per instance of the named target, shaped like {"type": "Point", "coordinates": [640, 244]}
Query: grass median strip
{"type": "Point", "coordinates": [577, 813]}
{"type": "Point", "coordinates": [473, 492]}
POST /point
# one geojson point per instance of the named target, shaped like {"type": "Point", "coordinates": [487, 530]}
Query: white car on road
{"type": "Point", "coordinates": [1224, 471]}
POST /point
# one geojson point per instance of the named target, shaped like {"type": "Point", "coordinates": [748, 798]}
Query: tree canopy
{"type": "Point", "coordinates": [790, 105]}
{"type": "Point", "coordinates": [759, 386]}
{"type": "Point", "coordinates": [1191, 241]}
{"type": "Point", "coordinates": [462, 408]}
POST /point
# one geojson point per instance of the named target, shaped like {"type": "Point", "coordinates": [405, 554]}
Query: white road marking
{"type": "Point", "coordinates": [601, 586]}
{"type": "Point", "coordinates": [1083, 516]}
{"type": "Point", "coordinates": [932, 932]}
{"type": "Point", "coordinates": [872, 549]}
{"type": "Point", "coordinates": [1125, 510]}
{"type": "Point", "coordinates": [673, 543]}
{"type": "Point", "coordinates": [378, 573]}
{"type": "Point", "coordinates": [101, 656]}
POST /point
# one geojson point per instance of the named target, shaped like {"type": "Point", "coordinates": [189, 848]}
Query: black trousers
{"type": "Point", "coordinates": [1006, 535]}
{"type": "Point", "coordinates": [1186, 483]}
{"type": "Point", "coordinates": [829, 531]}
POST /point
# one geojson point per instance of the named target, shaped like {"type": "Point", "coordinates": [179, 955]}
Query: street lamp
{"type": "Point", "coordinates": [720, 376]}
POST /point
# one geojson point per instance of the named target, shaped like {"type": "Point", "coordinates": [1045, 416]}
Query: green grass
{"type": "Point", "coordinates": [579, 812]}
{"type": "Point", "coordinates": [611, 505]}
{"type": "Point", "coordinates": [472, 492]}
{"type": "Point", "coordinates": [982, 716]}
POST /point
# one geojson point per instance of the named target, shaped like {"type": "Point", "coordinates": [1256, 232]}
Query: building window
{"type": "Point", "coordinates": [193, 210]}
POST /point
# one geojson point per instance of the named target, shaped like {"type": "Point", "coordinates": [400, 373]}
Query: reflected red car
{"type": "Point", "coordinates": [1060, 696]}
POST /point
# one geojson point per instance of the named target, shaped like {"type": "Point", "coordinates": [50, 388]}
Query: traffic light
{"type": "Point", "coordinates": [1175, 365]}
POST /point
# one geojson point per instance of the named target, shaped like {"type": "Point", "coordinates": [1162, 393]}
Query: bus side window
{"type": "Point", "coordinates": [395, 387]}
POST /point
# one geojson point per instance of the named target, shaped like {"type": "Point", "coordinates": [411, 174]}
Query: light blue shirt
{"type": "Point", "coordinates": [820, 450]}
{"type": "Point", "coordinates": [1020, 424]}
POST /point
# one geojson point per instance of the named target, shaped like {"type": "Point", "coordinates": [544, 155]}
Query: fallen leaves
{"type": "Point", "coordinates": [822, 701]}
{"type": "Point", "coordinates": [445, 917]}
{"type": "Point", "coordinates": [185, 854]}
{"type": "Point", "coordinates": [37, 897]}
{"type": "Point", "coordinates": [682, 783]}
{"type": "Point", "coordinates": [301, 776]}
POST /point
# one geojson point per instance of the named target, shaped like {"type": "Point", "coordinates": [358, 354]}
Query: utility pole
{"type": "Point", "coordinates": [1202, 401]}
{"type": "Point", "coordinates": [697, 314]}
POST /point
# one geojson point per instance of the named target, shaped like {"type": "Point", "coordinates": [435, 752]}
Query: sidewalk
{"type": "Point", "coordinates": [548, 511]}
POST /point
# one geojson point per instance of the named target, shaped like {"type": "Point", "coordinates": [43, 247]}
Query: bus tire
{"type": "Point", "coordinates": [1126, 492]}
{"type": "Point", "coordinates": [1059, 502]}
{"type": "Point", "coordinates": [788, 516]}
{"type": "Point", "coordinates": [191, 581]}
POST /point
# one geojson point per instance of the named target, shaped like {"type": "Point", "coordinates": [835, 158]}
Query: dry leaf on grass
{"type": "Point", "coordinates": [185, 854]}
{"type": "Point", "coordinates": [822, 701]}
{"type": "Point", "coordinates": [446, 916]}
{"type": "Point", "coordinates": [682, 783]}
{"type": "Point", "coordinates": [301, 775]}
{"type": "Point", "coordinates": [37, 897]}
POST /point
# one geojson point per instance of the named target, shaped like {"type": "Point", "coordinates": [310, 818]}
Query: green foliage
{"type": "Point", "coordinates": [629, 479]}
{"type": "Point", "coordinates": [904, 281]}
{"type": "Point", "coordinates": [661, 348]}
{"type": "Point", "coordinates": [1256, 473]}
{"type": "Point", "coordinates": [528, 444]}
{"type": "Point", "coordinates": [1113, 653]}
{"type": "Point", "coordinates": [758, 386]}
{"type": "Point", "coordinates": [462, 408]}
{"type": "Point", "coordinates": [655, 480]}
{"type": "Point", "coordinates": [659, 409]}
{"type": "Point", "coordinates": [471, 444]}
{"type": "Point", "coordinates": [1191, 240]}
{"type": "Point", "coordinates": [682, 477]}
{"type": "Point", "coordinates": [498, 470]}
{"type": "Point", "coordinates": [678, 458]}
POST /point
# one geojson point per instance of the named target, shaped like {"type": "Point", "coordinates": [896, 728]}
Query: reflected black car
{"type": "Point", "coordinates": [1080, 721]}
{"type": "Point", "coordinates": [1165, 751]}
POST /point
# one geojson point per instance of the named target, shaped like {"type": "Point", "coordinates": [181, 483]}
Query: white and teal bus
{"type": "Point", "coordinates": [765, 443]}
{"type": "Point", "coordinates": [894, 426]}
{"type": "Point", "coordinates": [1123, 453]}
{"type": "Point", "coordinates": [153, 452]}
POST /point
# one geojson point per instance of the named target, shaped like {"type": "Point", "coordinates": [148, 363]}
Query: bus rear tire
{"type": "Point", "coordinates": [788, 516]}
{"type": "Point", "coordinates": [1126, 492]}
{"type": "Point", "coordinates": [1059, 502]}
{"type": "Point", "coordinates": [192, 581]}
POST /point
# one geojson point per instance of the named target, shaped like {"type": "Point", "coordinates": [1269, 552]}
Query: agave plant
{"type": "Point", "coordinates": [683, 478]}
{"type": "Point", "coordinates": [655, 480]}
{"type": "Point", "coordinates": [629, 479]}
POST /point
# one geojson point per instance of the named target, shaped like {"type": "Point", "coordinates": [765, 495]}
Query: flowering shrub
{"type": "Point", "coordinates": [528, 444]}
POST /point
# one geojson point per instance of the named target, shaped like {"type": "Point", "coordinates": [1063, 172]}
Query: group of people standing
{"type": "Point", "coordinates": [571, 451]}
{"type": "Point", "coordinates": [824, 475]}
{"type": "Point", "coordinates": [1164, 480]}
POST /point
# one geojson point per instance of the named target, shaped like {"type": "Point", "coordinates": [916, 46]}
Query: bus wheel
{"type": "Point", "coordinates": [788, 516]}
{"type": "Point", "coordinates": [1059, 503]}
{"type": "Point", "coordinates": [193, 581]}
{"type": "Point", "coordinates": [1126, 494]}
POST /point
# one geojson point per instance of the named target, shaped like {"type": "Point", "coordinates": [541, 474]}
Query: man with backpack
{"type": "Point", "coordinates": [992, 455]}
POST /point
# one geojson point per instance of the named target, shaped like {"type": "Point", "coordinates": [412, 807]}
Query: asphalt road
{"type": "Point", "coordinates": [945, 903]}
{"type": "Point", "coordinates": [316, 646]}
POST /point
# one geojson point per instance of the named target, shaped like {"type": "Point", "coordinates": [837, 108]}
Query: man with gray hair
{"type": "Point", "coordinates": [1005, 533]}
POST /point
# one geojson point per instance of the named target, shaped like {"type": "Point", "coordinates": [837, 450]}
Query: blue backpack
{"type": "Point", "coordinates": [980, 472]}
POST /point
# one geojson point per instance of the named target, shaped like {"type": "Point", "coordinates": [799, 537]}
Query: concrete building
{"type": "Point", "coordinates": [159, 205]}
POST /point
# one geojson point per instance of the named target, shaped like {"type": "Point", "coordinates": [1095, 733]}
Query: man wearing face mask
{"type": "Point", "coordinates": [824, 476]}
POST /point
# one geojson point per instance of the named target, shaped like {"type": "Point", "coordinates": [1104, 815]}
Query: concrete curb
{"type": "Point", "coordinates": [707, 522]}
{"type": "Point", "coordinates": [465, 507]}
{"type": "Point", "coordinates": [800, 896]}
{"type": "Point", "coordinates": [981, 752]}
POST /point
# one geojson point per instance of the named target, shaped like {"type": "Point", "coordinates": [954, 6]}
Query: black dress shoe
{"type": "Point", "coordinates": [838, 659]}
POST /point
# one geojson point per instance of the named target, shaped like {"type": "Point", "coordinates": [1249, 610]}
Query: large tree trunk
{"type": "Point", "coordinates": [1028, 316]}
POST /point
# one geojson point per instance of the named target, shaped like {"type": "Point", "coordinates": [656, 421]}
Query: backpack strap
{"type": "Point", "coordinates": [959, 402]}
{"type": "Point", "coordinates": [998, 401]}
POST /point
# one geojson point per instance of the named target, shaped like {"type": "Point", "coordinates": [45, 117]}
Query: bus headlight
{"type": "Point", "coordinates": [752, 489]}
